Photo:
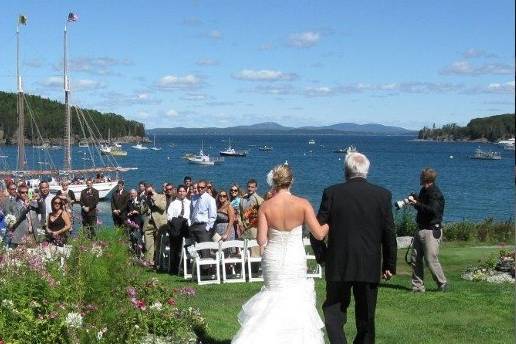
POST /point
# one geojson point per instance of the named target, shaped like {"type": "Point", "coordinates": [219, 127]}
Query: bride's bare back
{"type": "Point", "coordinates": [285, 212]}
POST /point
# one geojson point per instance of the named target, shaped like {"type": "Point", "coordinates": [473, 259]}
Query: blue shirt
{"type": "Point", "coordinates": [203, 210]}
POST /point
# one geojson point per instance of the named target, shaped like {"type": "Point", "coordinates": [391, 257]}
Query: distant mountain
{"type": "Point", "coordinates": [272, 128]}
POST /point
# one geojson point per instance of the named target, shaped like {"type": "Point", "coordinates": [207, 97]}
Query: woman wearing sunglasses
{"type": "Point", "coordinates": [59, 223]}
{"type": "Point", "coordinates": [225, 217]}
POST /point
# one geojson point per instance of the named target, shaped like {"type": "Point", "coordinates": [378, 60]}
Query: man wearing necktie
{"type": "Point", "coordinates": [203, 215]}
{"type": "Point", "coordinates": [178, 215]}
{"type": "Point", "coordinates": [119, 201]}
{"type": "Point", "coordinates": [89, 200]}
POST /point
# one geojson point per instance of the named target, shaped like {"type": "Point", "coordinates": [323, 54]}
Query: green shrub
{"type": "Point", "coordinates": [459, 231]}
{"type": "Point", "coordinates": [404, 222]}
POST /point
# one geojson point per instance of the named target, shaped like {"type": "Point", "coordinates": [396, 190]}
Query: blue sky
{"type": "Point", "coordinates": [222, 63]}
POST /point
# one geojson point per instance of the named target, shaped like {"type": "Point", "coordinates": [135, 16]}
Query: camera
{"type": "Point", "coordinates": [404, 202]}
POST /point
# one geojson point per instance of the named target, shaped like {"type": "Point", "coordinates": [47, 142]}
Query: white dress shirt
{"type": "Point", "coordinates": [174, 209]}
{"type": "Point", "coordinates": [203, 210]}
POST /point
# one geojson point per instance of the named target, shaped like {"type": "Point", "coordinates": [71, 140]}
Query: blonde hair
{"type": "Point", "coordinates": [282, 176]}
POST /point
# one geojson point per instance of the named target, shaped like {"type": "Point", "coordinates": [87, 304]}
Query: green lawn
{"type": "Point", "coordinates": [471, 312]}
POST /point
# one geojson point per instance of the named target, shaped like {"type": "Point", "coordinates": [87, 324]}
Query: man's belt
{"type": "Point", "coordinates": [198, 223]}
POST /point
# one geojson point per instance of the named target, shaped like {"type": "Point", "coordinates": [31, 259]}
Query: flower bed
{"type": "Point", "coordinates": [493, 269]}
{"type": "Point", "coordinates": [90, 293]}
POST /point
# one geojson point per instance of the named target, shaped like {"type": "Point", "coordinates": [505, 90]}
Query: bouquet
{"type": "Point", "coordinates": [10, 220]}
{"type": "Point", "coordinates": [251, 215]}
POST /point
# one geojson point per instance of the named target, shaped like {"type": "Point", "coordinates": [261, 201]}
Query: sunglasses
{"type": "Point", "coordinates": [201, 187]}
{"type": "Point", "coordinates": [234, 190]}
{"type": "Point", "coordinates": [223, 195]}
{"type": "Point", "coordinates": [58, 203]}
{"type": "Point", "coordinates": [169, 189]}
{"type": "Point", "coordinates": [23, 192]}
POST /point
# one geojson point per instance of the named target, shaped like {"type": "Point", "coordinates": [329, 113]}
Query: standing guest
{"type": "Point", "coordinates": [194, 190]}
{"type": "Point", "coordinates": [170, 192]}
{"type": "Point", "coordinates": [249, 205]}
{"type": "Point", "coordinates": [89, 201]}
{"type": "Point", "coordinates": [225, 217]}
{"type": "Point", "coordinates": [154, 221]}
{"type": "Point", "coordinates": [359, 215]}
{"type": "Point", "coordinates": [67, 195]}
{"type": "Point", "coordinates": [202, 215]}
{"type": "Point", "coordinates": [234, 198]}
{"type": "Point", "coordinates": [59, 223]}
{"type": "Point", "coordinates": [178, 215]}
{"type": "Point", "coordinates": [210, 189]}
{"type": "Point", "coordinates": [187, 182]}
{"type": "Point", "coordinates": [134, 223]}
{"type": "Point", "coordinates": [9, 203]}
{"type": "Point", "coordinates": [430, 208]}
{"type": "Point", "coordinates": [44, 201]}
{"type": "Point", "coordinates": [119, 201]}
{"type": "Point", "coordinates": [141, 190]}
{"type": "Point", "coordinates": [22, 231]}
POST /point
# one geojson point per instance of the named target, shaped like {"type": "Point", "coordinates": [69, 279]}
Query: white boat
{"type": "Point", "coordinates": [154, 148]}
{"type": "Point", "coordinates": [203, 159]}
{"type": "Point", "coordinates": [83, 144]}
{"type": "Point", "coordinates": [104, 188]}
{"type": "Point", "coordinates": [486, 155]}
{"type": "Point", "coordinates": [265, 148]}
{"type": "Point", "coordinates": [311, 142]}
{"type": "Point", "coordinates": [112, 150]}
{"type": "Point", "coordinates": [139, 146]}
{"type": "Point", "coordinates": [507, 144]}
{"type": "Point", "coordinates": [230, 151]}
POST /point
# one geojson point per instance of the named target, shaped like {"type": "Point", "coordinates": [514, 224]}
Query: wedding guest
{"type": "Point", "coordinates": [194, 190]}
{"type": "Point", "coordinates": [234, 198]}
{"type": "Point", "coordinates": [134, 223]}
{"type": "Point", "coordinates": [59, 223]}
{"type": "Point", "coordinates": [119, 201]}
{"type": "Point", "coordinates": [203, 212]}
{"type": "Point", "coordinates": [249, 205]}
{"type": "Point", "coordinates": [170, 192]}
{"type": "Point", "coordinates": [67, 196]}
{"type": "Point", "coordinates": [22, 231]}
{"type": "Point", "coordinates": [210, 189]}
{"type": "Point", "coordinates": [154, 221]}
{"type": "Point", "coordinates": [187, 182]}
{"type": "Point", "coordinates": [225, 217]}
{"type": "Point", "coordinates": [178, 216]}
{"type": "Point", "coordinates": [89, 201]}
{"type": "Point", "coordinates": [141, 190]}
{"type": "Point", "coordinates": [10, 199]}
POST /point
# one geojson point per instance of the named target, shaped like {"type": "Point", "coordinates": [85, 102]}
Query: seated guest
{"type": "Point", "coordinates": [225, 217]}
{"type": "Point", "coordinates": [178, 216]}
{"type": "Point", "coordinates": [59, 223]}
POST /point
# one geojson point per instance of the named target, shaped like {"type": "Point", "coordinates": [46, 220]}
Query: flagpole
{"type": "Point", "coordinates": [19, 104]}
{"type": "Point", "coordinates": [67, 138]}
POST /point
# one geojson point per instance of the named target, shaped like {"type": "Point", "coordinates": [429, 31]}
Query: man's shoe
{"type": "Point", "coordinates": [418, 290]}
{"type": "Point", "coordinates": [443, 287]}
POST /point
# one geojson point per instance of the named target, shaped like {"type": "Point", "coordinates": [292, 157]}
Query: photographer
{"type": "Point", "coordinates": [430, 208]}
{"type": "Point", "coordinates": [154, 221]}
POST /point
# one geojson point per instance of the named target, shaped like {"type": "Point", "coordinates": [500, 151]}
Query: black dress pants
{"type": "Point", "coordinates": [199, 233]}
{"type": "Point", "coordinates": [338, 297]}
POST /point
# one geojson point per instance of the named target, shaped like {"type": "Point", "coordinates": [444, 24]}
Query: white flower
{"type": "Point", "coordinates": [100, 334]}
{"type": "Point", "coordinates": [10, 219]}
{"type": "Point", "coordinates": [73, 320]}
{"type": "Point", "coordinates": [7, 303]}
{"type": "Point", "coordinates": [96, 250]}
{"type": "Point", "coordinates": [156, 305]}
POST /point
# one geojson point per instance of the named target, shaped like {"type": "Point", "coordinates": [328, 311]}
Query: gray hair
{"type": "Point", "coordinates": [356, 165]}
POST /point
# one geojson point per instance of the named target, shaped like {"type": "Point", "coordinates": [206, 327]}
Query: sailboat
{"type": "Point", "coordinates": [154, 147]}
{"type": "Point", "coordinates": [78, 176]}
{"type": "Point", "coordinates": [203, 159]}
{"type": "Point", "coordinates": [112, 149]}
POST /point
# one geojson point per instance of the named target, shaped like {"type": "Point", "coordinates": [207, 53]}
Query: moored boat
{"type": "Point", "coordinates": [486, 155]}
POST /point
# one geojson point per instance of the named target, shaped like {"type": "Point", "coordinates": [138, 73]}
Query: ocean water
{"type": "Point", "coordinates": [473, 189]}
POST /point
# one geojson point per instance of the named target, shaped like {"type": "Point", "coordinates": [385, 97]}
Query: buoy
{"type": "Point", "coordinates": [451, 156]}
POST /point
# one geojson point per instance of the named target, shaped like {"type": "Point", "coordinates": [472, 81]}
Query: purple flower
{"type": "Point", "coordinates": [131, 292]}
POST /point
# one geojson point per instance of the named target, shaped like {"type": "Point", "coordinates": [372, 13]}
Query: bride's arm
{"type": "Point", "coordinates": [318, 231]}
{"type": "Point", "coordinates": [263, 227]}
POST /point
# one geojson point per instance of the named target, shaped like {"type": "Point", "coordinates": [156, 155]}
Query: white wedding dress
{"type": "Point", "coordinates": [284, 311]}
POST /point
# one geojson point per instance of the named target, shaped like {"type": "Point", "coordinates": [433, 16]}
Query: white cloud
{"type": "Point", "coordinates": [264, 75]}
{"type": "Point", "coordinates": [171, 82]}
{"type": "Point", "coordinates": [466, 68]}
{"type": "Point", "coordinates": [95, 65]}
{"type": "Point", "coordinates": [171, 113]}
{"type": "Point", "coordinates": [195, 96]}
{"type": "Point", "coordinates": [507, 87]}
{"type": "Point", "coordinates": [112, 99]}
{"type": "Point", "coordinates": [76, 84]}
{"type": "Point", "coordinates": [207, 62]}
{"type": "Point", "coordinates": [321, 91]}
{"type": "Point", "coordinates": [304, 39]}
{"type": "Point", "coordinates": [474, 53]}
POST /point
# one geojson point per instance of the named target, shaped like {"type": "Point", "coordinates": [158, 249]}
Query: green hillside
{"type": "Point", "coordinates": [50, 115]}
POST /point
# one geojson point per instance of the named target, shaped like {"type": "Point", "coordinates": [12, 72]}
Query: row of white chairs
{"type": "Point", "coordinates": [233, 253]}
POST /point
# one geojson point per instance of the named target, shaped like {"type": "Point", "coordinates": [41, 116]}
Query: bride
{"type": "Point", "coordinates": [284, 310]}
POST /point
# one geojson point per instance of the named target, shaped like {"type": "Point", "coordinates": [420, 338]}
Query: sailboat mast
{"type": "Point", "coordinates": [20, 106]}
{"type": "Point", "coordinates": [68, 118]}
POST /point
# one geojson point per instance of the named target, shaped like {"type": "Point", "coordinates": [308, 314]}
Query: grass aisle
{"type": "Point", "coordinates": [471, 312]}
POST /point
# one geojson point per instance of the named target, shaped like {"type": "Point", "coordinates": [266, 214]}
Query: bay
{"type": "Point", "coordinates": [473, 189]}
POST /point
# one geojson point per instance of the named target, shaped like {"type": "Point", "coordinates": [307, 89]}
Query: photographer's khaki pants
{"type": "Point", "coordinates": [426, 247]}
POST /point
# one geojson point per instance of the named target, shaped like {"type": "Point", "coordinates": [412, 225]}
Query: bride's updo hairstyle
{"type": "Point", "coordinates": [281, 176]}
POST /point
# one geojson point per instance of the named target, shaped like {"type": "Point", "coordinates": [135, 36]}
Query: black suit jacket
{"type": "Point", "coordinates": [120, 201]}
{"type": "Point", "coordinates": [361, 231]}
{"type": "Point", "coordinates": [89, 199]}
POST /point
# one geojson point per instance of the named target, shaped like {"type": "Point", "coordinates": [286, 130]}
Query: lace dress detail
{"type": "Point", "coordinates": [284, 311]}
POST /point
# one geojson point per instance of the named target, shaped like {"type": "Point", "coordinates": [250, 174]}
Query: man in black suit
{"type": "Point", "coordinates": [119, 201]}
{"type": "Point", "coordinates": [89, 200]}
{"type": "Point", "coordinates": [361, 230]}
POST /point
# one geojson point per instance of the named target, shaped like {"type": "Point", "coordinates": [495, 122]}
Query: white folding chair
{"type": "Point", "coordinates": [186, 259]}
{"type": "Point", "coordinates": [250, 260]}
{"type": "Point", "coordinates": [232, 252]}
{"type": "Point", "coordinates": [314, 269]}
{"type": "Point", "coordinates": [206, 261]}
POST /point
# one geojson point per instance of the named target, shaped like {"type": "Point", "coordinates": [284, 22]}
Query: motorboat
{"type": "Point", "coordinates": [486, 155]}
{"type": "Point", "coordinates": [311, 142]}
{"type": "Point", "coordinates": [139, 146]}
{"type": "Point", "coordinates": [230, 151]}
{"type": "Point", "coordinates": [112, 150]}
{"type": "Point", "coordinates": [204, 159]}
{"type": "Point", "coordinates": [347, 150]}
{"type": "Point", "coordinates": [265, 148]}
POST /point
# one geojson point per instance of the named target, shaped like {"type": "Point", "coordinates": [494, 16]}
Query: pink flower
{"type": "Point", "coordinates": [140, 304]}
{"type": "Point", "coordinates": [131, 292]}
{"type": "Point", "coordinates": [171, 302]}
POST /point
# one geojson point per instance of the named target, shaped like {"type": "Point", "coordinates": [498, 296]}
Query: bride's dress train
{"type": "Point", "coordinates": [284, 310]}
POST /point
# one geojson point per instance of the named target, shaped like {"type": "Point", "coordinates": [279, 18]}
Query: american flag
{"type": "Point", "coordinates": [72, 17]}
